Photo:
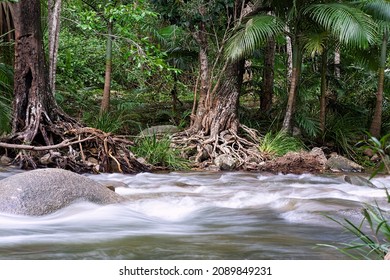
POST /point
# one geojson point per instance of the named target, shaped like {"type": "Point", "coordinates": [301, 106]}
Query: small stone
{"type": "Point", "coordinates": [93, 160]}
{"type": "Point", "coordinates": [4, 160]}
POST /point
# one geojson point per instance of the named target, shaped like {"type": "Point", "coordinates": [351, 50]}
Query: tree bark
{"type": "Point", "coordinates": [268, 77]}
{"type": "Point", "coordinates": [337, 62]}
{"type": "Point", "coordinates": [33, 99]}
{"type": "Point", "coordinates": [223, 112]}
{"type": "Point", "coordinates": [204, 92]}
{"type": "Point", "coordinates": [54, 11]}
{"type": "Point", "coordinates": [289, 51]}
{"type": "Point", "coordinates": [107, 80]}
{"type": "Point", "coordinates": [376, 123]}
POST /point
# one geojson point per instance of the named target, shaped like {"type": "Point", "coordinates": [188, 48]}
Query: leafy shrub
{"type": "Point", "coordinates": [279, 144]}
{"type": "Point", "coordinates": [380, 147]}
{"type": "Point", "coordinates": [159, 153]}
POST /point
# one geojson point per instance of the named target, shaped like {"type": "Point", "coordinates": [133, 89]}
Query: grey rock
{"type": "Point", "coordinates": [159, 130]}
{"type": "Point", "coordinates": [339, 163]}
{"type": "Point", "coordinates": [43, 191]}
{"type": "Point", "coordinates": [359, 181]}
{"type": "Point", "coordinates": [225, 162]}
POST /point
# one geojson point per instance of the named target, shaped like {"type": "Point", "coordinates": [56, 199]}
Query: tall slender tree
{"type": "Point", "coordinates": [54, 12]}
{"type": "Point", "coordinates": [380, 11]}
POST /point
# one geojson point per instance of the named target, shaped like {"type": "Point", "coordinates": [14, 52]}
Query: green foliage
{"type": "Point", "coordinates": [113, 121]}
{"type": "Point", "coordinates": [137, 60]}
{"type": "Point", "coordinates": [6, 87]}
{"type": "Point", "coordinates": [252, 34]}
{"type": "Point", "coordinates": [373, 234]}
{"type": "Point", "coordinates": [380, 147]}
{"type": "Point", "coordinates": [351, 26]}
{"type": "Point", "coordinates": [159, 153]}
{"type": "Point", "coordinates": [5, 115]}
{"type": "Point", "coordinates": [343, 131]}
{"type": "Point", "coordinates": [279, 144]}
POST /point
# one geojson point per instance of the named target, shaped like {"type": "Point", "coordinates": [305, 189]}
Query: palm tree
{"type": "Point", "coordinates": [348, 24]}
{"type": "Point", "coordinates": [380, 11]}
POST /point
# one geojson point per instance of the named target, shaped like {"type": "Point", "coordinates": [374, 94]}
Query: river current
{"type": "Point", "coordinates": [197, 215]}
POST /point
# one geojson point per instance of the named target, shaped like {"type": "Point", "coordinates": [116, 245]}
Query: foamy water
{"type": "Point", "coordinates": [197, 216]}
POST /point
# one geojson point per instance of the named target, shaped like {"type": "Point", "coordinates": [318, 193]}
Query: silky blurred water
{"type": "Point", "coordinates": [197, 216]}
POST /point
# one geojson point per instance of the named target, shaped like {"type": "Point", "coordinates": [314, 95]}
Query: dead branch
{"type": "Point", "coordinates": [63, 144]}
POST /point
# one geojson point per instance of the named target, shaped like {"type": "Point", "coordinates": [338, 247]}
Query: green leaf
{"type": "Point", "coordinates": [251, 35]}
{"type": "Point", "coordinates": [350, 25]}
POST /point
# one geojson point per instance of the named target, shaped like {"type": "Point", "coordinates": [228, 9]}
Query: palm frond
{"type": "Point", "coordinates": [379, 9]}
{"type": "Point", "coordinates": [252, 34]}
{"type": "Point", "coordinates": [350, 25]}
{"type": "Point", "coordinates": [315, 43]}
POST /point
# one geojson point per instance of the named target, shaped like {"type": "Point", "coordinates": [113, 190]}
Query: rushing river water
{"type": "Point", "coordinates": [197, 216]}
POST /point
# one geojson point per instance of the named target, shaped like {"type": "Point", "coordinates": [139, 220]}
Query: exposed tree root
{"type": "Point", "coordinates": [80, 149]}
{"type": "Point", "coordinates": [202, 149]}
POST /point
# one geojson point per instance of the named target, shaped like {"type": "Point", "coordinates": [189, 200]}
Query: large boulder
{"type": "Point", "coordinates": [43, 191]}
{"type": "Point", "coordinates": [337, 163]}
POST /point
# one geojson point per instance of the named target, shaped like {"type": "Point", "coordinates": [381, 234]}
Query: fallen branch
{"type": "Point", "coordinates": [65, 143]}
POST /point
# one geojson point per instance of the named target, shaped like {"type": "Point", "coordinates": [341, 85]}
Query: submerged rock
{"type": "Point", "coordinates": [43, 191]}
{"type": "Point", "coordinates": [359, 181]}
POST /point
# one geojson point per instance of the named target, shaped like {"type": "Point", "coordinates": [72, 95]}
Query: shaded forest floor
{"type": "Point", "coordinates": [129, 116]}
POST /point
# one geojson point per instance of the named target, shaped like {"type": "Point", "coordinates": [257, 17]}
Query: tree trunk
{"type": "Point", "coordinates": [268, 77]}
{"type": "Point", "coordinates": [292, 95]}
{"type": "Point", "coordinates": [324, 62]}
{"type": "Point", "coordinates": [39, 125]}
{"type": "Point", "coordinates": [204, 93]}
{"type": "Point", "coordinates": [376, 124]}
{"type": "Point", "coordinates": [337, 62]}
{"type": "Point", "coordinates": [214, 128]}
{"type": "Point", "coordinates": [222, 115]}
{"type": "Point", "coordinates": [289, 51]}
{"type": "Point", "coordinates": [54, 12]}
{"type": "Point", "coordinates": [33, 100]}
{"type": "Point", "coordinates": [107, 80]}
